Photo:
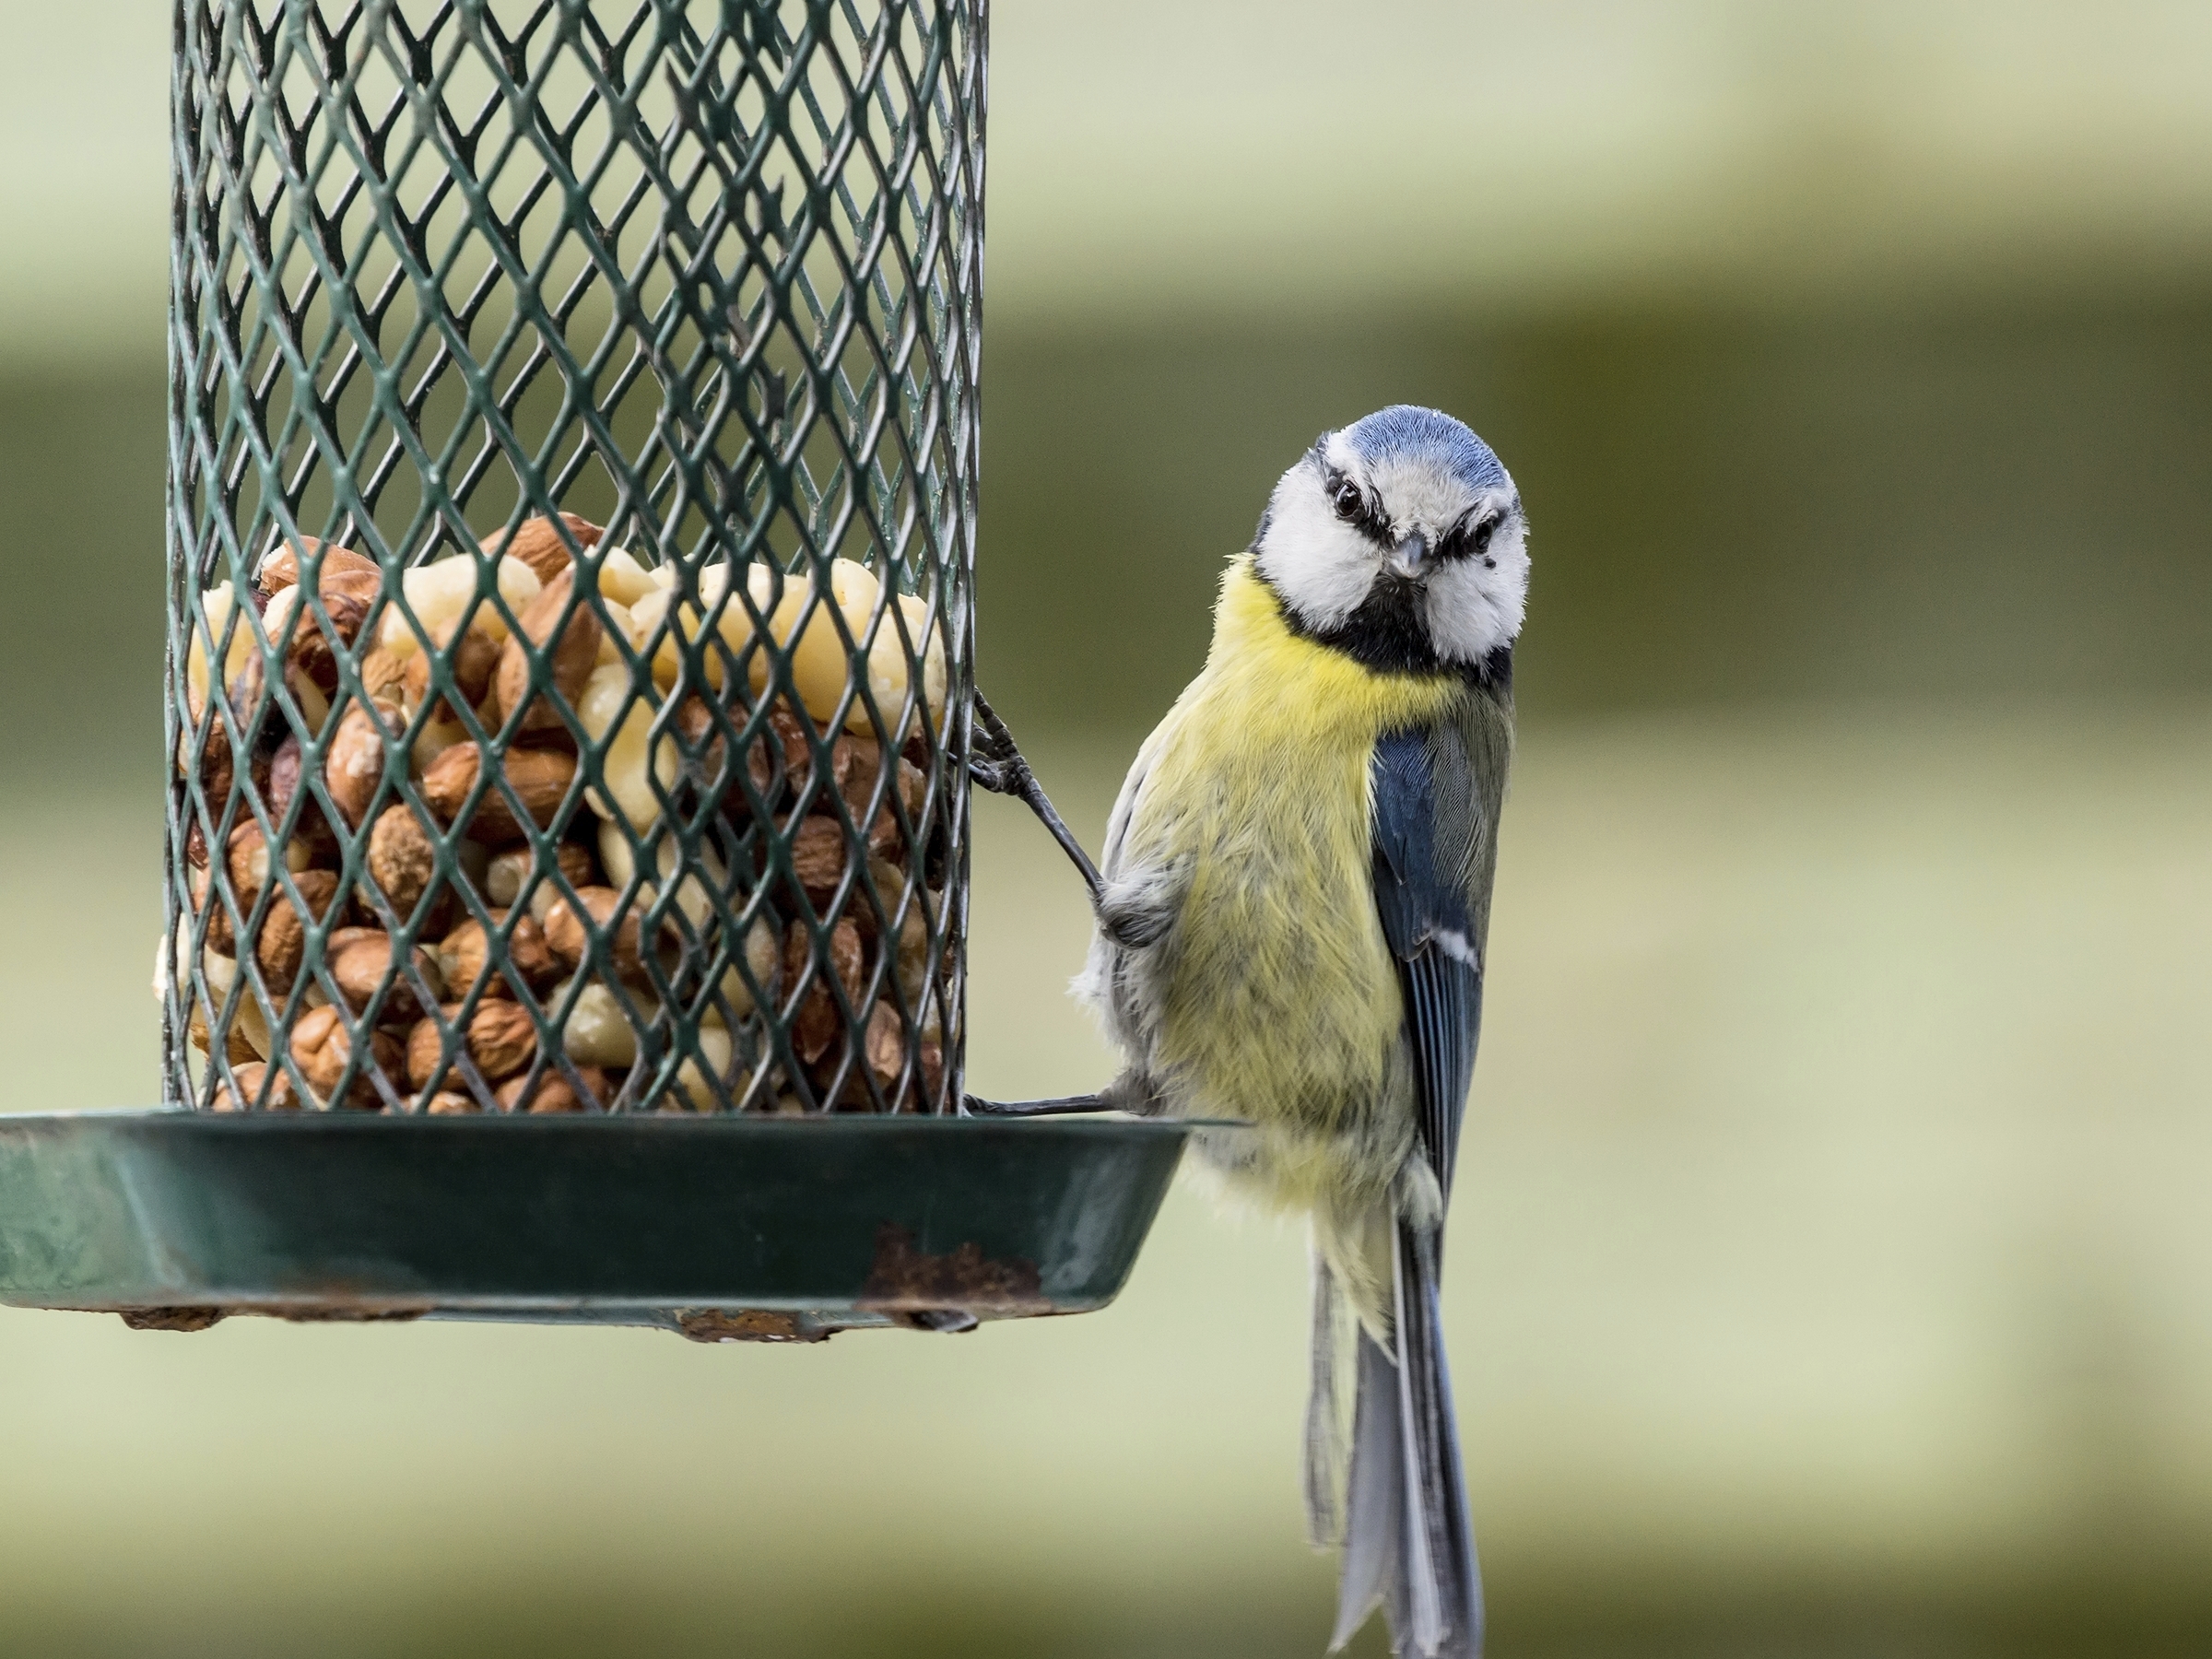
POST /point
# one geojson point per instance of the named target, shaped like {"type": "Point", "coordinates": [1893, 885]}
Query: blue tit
{"type": "Point", "coordinates": [1291, 918]}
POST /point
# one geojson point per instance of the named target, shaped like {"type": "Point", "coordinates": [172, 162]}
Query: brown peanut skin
{"type": "Point", "coordinates": [320, 1047]}
{"type": "Point", "coordinates": [554, 1092]}
{"type": "Point", "coordinates": [354, 765]}
{"type": "Point", "coordinates": [818, 1023]}
{"type": "Point", "coordinates": [500, 1040]}
{"type": "Point", "coordinates": [539, 777]}
{"type": "Point", "coordinates": [280, 570]}
{"type": "Point", "coordinates": [818, 857]}
{"type": "Point", "coordinates": [401, 859]}
{"type": "Point", "coordinates": [358, 966]}
{"type": "Point", "coordinates": [474, 659]}
{"type": "Point", "coordinates": [281, 945]}
{"type": "Point", "coordinates": [568, 935]}
{"type": "Point", "coordinates": [468, 946]}
{"type": "Point", "coordinates": [537, 543]}
{"type": "Point", "coordinates": [249, 1077]}
{"type": "Point", "coordinates": [575, 652]}
{"type": "Point", "coordinates": [282, 783]}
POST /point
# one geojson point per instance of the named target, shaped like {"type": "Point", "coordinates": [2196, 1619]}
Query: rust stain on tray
{"type": "Point", "coordinates": [201, 1319]}
{"type": "Point", "coordinates": [905, 1279]}
{"type": "Point", "coordinates": [747, 1324]}
{"type": "Point", "coordinates": [171, 1319]}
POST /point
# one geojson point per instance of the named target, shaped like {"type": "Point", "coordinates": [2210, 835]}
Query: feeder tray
{"type": "Point", "coordinates": [725, 1228]}
{"type": "Point", "coordinates": [632, 346]}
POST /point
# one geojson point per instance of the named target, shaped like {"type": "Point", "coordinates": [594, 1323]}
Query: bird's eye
{"type": "Point", "coordinates": [1350, 503]}
{"type": "Point", "coordinates": [1483, 532]}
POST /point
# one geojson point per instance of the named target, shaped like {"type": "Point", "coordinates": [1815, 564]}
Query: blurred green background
{"type": "Point", "coordinates": [1832, 1272]}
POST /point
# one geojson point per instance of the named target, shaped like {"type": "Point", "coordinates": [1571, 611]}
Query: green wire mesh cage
{"type": "Point", "coordinates": [571, 515]}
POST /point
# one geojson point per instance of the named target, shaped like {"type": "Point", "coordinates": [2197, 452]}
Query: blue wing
{"type": "Point", "coordinates": [1422, 834]}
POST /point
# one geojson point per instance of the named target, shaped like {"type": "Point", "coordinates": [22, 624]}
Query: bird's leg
{"type": "Point", "coordinates": [972, 1107]}
{"type": "Point", "coordinates": [996, 765]}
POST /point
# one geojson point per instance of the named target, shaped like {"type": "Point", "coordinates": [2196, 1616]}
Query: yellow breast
{"type": "Point", "coordinates": [1281, 1004]}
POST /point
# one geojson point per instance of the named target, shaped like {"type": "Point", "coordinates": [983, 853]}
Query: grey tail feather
{"type": "Point", "coordinates": [1326, 1452]}
{"type": "Point", "coordinates": [1407, 1541]}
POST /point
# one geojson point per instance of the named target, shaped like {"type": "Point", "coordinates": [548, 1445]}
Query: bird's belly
{"type": "Point", "coordinates": [1278, 1000]}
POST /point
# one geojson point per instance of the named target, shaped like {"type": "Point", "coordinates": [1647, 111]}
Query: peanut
{"type": "Point", "coordinates": [856, 764]}
{"type": "Point", "coordinates": [569, 935]}
{"type": "Point", "coordinates": [818, 1020]}
{"type": "Point", "coordinates": [539, 779]}
{"type": "Point", "coordinates": [912, 966]}
{"type": "Point", "coordinates": [554, 1092]}
{"type": "Point", "coordinates": [573, 642]}
{"type": "Point", "coordinates": [247, 859]}
{"type": "Point", "coordinates": [402, 861]}
{"type": "Point", "coordinates": [282, 945]}
{"type": "Point", "coordinates": [354, 764]}
{"type": "Point", "coordinates": [817, 857]}
{"type": "Point", "coordinates": [320, 1048]}
{"type": "Point", "coordinates": [500, 1038]}
{"type": "Point", "coordinates": [446, 1102]}
{"type": "Point", "coordinates": [734, 625]}
{"type": "Point", "coordinates": [358, 966]}
{"type": "Point", "coordinates": [536, 542]}
{"type": "Point", "coordinates": [280, 569]}
{"type": "Point", "coordinates": [246, 1019]}
{"type": "Point", "coordinates": [763, 955]}
{"type": "Point", "coordinates": [250, 1078]}
{"type": "Point", "coordinates": [467, 949]}
{"type": "Point", "coordinates": [885, 1046]}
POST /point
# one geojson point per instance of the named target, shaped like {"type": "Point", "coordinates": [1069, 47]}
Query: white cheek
{"type": "Point", "coordinates": [1473, 608]}
{"type": "Point", "coordinates": [1321, 566]}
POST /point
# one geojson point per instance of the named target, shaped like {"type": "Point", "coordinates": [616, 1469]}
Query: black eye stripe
{"type": "Point", "coordinates": [1465, 540]}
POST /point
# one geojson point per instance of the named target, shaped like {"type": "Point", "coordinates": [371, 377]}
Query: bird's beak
{"type": "Point", "coordinates": [1408, 556]}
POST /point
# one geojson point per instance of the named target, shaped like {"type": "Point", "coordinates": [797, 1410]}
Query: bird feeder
{"type": "Point", "coordinates": [571, 553]}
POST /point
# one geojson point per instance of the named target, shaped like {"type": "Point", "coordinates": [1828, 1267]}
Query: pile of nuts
{"type": "Point", "coordinates": [720, 885]}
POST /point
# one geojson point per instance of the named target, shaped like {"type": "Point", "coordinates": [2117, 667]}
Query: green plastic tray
{"type": "Point", "coordinates": [721, 1228]}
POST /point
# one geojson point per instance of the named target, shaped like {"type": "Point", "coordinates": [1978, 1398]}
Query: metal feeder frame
{"type": "Point", "coordinates": [710, 272]}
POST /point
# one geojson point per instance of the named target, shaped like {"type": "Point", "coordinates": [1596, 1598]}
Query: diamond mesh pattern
{"type": "Point", "coordinates": [708, 275]}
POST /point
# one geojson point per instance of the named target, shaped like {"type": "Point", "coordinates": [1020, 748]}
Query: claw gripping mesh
{"type": "Point", "coordinates": [660, 805]}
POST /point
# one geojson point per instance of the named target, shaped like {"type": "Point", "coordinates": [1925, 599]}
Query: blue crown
{"type": "Point", "coordinates": [1406, 432]}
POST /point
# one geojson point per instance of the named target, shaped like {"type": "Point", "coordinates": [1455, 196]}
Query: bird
{"type": "Point", "coordinates": [1290, 929]}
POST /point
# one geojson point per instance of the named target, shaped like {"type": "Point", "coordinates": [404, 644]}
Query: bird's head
{"type": "Point", "coordinates": [1400, 540]}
